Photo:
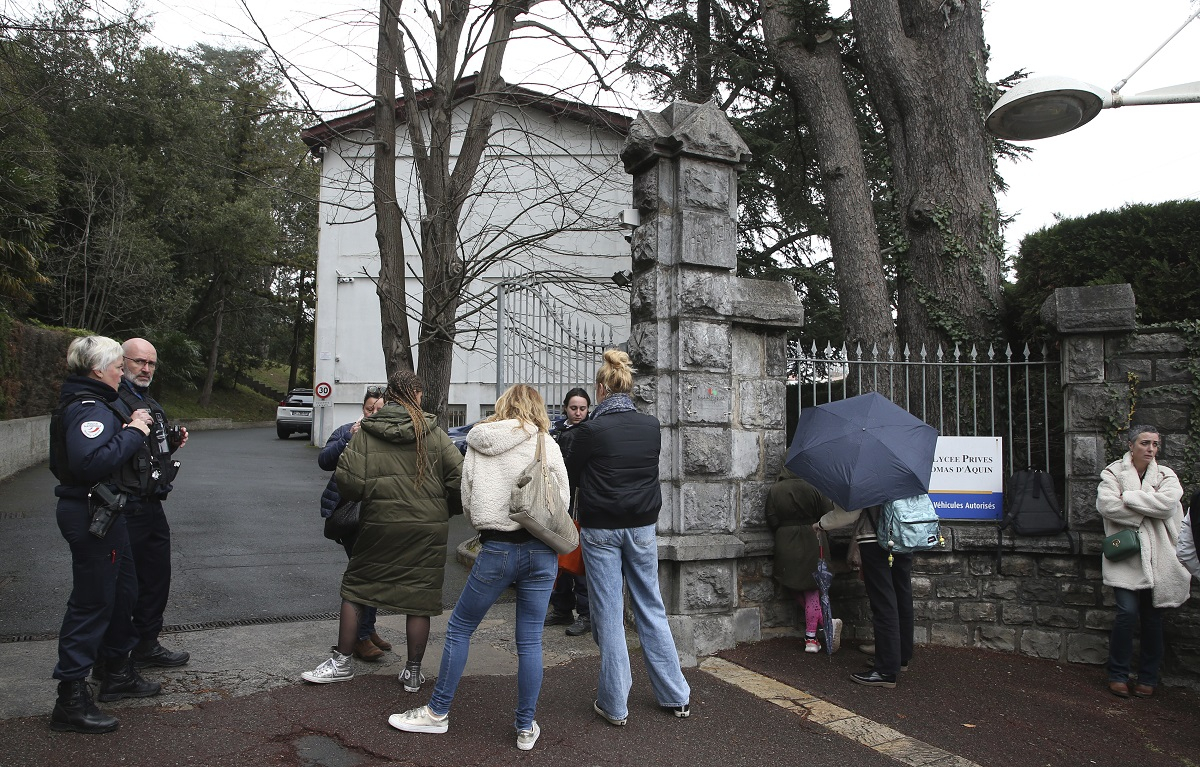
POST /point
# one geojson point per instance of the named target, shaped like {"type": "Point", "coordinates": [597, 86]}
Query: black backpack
{"type": "Point", "coordinates": [1031, 508]}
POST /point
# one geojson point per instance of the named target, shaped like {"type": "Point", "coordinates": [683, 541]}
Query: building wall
{"type": "Point", "coordinates": [548, 173]}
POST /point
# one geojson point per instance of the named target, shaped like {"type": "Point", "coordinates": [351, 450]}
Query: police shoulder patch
{"type": "Point", "coordinates": [91, 429]}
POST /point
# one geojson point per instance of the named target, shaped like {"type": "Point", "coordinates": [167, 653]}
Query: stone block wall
{"type": "Point", "coordinates": [1045, 598]}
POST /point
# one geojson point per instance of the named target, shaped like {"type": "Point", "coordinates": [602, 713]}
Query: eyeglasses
{"type": "Point", "coordinates": [375, 391]}
{"type": "Point", "coordinates": [142, 363]}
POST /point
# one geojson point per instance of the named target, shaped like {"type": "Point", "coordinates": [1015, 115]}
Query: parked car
{"type": "Point", "coordinates": [295, 413]}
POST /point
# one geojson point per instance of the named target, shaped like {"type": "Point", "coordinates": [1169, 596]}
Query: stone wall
{"type": "Point", "coordinates": [1045, 598]}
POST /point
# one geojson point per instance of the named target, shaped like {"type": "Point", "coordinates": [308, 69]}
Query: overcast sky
{"type": "Point", "coordinates": [1133, 154]}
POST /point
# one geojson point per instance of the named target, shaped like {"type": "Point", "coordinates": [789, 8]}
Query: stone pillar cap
{"type": "Point", "coordinates": [1094, 309]}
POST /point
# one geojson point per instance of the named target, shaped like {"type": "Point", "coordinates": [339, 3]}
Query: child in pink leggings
{"type": "Point", "coordinates": [793, 506]}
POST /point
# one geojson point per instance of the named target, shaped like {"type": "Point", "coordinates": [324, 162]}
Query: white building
{"type": "Point", "coordinates": [542, 220]}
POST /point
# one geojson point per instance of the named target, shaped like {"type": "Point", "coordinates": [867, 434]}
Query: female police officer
{"type": "Point", "coordinates": [93, 437]}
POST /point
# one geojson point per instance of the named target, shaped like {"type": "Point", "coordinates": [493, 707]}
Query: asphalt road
{"type": "Point", "coordinates": [246, 537]}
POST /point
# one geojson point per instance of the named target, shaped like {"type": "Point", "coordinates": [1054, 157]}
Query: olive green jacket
{"type": "Point", "coordinates": [399, 555]}
{"type": "Point", "coordinates": [793, 506]}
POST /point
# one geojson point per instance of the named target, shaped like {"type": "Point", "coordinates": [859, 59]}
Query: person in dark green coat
{"type": "Point", "coordinates": [406, 472]}
{"type": "Point", "coordinates": [793, 506]}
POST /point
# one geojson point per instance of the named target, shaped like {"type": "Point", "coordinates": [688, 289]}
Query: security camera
{"type": "Point", "coordinates": [629, 218]}
{"type": "Point", "coordinates": [623, 278]}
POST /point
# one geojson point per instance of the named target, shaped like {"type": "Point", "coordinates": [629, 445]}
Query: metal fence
{"type": "Point", "coordinates": [544, 342]}
{"type": "Point", "coordinates": [1016, 396]}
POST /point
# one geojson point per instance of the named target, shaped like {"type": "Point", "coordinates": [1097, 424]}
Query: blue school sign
{"type": "Point", "coordinates": [967, 480]}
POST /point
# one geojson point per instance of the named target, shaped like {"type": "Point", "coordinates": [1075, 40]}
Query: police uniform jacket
{"type": "Point", "coordinates": [154, 470]}
{"type": "Point", "coordinates": [97, 444]}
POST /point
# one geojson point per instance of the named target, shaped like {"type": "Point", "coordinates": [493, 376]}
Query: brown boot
{"type": "Point", "coordinates": [380, 642]}
{"type": "Point", "coordinates": [364, 649]}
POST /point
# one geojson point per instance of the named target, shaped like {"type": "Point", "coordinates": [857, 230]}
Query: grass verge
{"type": "Point", "coordinates": [238, 404]}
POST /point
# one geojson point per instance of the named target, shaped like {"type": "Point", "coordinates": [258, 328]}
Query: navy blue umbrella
{"type": "Point", "coordinates": [863, 451]}
{"type": "Point", "coordinates": [824, 578]}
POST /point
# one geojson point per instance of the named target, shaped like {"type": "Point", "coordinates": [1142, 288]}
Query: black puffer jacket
{"type": "Point", "coordinates": [614, 459]}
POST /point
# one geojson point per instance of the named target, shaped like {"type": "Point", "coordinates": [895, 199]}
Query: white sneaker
{"type": "Point", "coordinates": [811, 644]}
{"type": "Point", "coordinates": [339, 668]}
{"type": "Point", "coordinates": [526, 738]}
{"type": "Point", "coordinates": [421, 719]}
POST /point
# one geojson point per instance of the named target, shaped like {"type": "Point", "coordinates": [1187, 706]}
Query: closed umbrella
{"type": "Point", "coordinates": [863, 451]}
{"type": "Point", "coordinates": [824, 578]}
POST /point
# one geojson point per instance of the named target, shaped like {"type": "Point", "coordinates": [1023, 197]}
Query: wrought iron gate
{"type": "Point", "coordinates": [544, 342]}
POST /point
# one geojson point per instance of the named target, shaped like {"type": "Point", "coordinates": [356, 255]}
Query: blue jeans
{"type": "Point", "coordinates": [528, 567]}
{"type": "Point", "coordinates": [631, 553]}
{"type": "Point", "coordinates": [1132, 605]}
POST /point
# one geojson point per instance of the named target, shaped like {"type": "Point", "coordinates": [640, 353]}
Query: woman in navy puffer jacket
{"type": "Point", "coordinates": [370, 646]}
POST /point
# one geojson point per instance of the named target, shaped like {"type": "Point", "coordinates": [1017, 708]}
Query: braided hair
{"type": "Point", "coordinates": [404, 388]}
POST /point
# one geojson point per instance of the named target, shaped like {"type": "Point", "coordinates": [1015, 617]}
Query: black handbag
{"type": "Point", "coordinates": [343, 522]}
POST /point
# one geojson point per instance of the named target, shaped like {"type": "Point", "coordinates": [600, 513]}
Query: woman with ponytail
{"type": "Point", "coordinates": [615, 456]}
{"type": "Point", "coordinates": [405, 471]}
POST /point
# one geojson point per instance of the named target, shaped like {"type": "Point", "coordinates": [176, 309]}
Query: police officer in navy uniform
{"type": "Point", "coordinates": [149, 533]}
{"type": "Point", "coordinates": [93, 439]}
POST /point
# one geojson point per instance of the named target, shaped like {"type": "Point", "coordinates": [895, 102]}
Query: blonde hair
{"type": "Point", "coordinates": [616, 374]}
{"type": "Point", "coordinates": [92, 353]}
{"type": "Point", "coordinates": [523, 403]}
{"type": "Point", "coordinates": [402, 389]}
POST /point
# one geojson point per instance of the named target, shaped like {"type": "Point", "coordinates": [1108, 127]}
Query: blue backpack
{"type": "Point", "coordinates": [907, 525]}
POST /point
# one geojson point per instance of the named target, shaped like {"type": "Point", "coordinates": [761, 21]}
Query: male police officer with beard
{"type": "Point", "coordinates": [149, 533]}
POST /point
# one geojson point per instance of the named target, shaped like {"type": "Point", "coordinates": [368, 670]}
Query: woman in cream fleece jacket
{"type": "Point", "coordinates": [1137, 493]}
{"type": "Point", "coordinates": [498, 449]}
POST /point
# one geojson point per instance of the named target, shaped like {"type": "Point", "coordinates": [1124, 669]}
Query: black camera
{"type": "Point", "coordinates": [174, 437]}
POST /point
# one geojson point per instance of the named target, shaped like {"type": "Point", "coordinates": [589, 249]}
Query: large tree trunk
{"type": "Point", "coordinates": [815, 74]}
{"type": "Point", "coordinates": [389, 219]}
{"type": "Point", "coordinates": [925, 63]}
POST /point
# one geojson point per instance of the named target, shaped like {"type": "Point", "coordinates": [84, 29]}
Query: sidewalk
{"type": "Point", "coordinates": [240, 702]}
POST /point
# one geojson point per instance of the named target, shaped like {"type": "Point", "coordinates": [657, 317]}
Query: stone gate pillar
{"type": "Point", "coordinates": [709, 349]}
{"type": "Point", "coordinates": [1087, 318]}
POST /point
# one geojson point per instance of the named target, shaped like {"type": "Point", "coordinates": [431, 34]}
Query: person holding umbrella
{"type": "Point", "coordinates": [793, 505]}
{"type": "Point", "coordinates": [889, 591]}
{"type": "Point", "coordinates": [862, 452]}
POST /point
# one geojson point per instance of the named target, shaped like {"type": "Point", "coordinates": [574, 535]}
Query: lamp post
{"type": "Point", "coordinates": [1041, 107]}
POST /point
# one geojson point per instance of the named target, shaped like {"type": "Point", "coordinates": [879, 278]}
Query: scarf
{"type": "Point", "coordinates": [613, 403]}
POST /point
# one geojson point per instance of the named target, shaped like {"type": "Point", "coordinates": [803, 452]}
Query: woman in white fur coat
{"type": "Point", "coordinates": [1136, 493]}
{"type": "Point", "coordinates": [498, 449]}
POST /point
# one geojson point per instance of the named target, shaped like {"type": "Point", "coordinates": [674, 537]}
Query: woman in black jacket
{"type": "Point", "coordinates": [614, 454]}
{"type": "Point", "coordinates": [570, 591]}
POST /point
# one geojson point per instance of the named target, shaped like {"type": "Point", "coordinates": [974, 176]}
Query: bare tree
{"type": "Point", "coordinates": [485, 194]}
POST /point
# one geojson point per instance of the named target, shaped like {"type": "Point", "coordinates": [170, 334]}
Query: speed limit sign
{"type": "Point", "coordinates": [323, 390]}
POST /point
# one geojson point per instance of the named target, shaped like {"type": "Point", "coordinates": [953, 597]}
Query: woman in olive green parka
{"type": "Point", "coordinates": [405, 471]}
{"type": "Point", "coordinates": [793, 506]}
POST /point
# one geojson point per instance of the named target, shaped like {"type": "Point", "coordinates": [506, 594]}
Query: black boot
{"type": "Point", "coordinates": [74, 710]}
{"type": "Point", "coordinates": [121, 680]}
{"type": "Point", "coordinates": [154, 654]}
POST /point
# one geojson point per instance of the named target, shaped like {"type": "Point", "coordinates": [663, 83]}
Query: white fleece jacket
{"type": "Point", "coordinates": [497, 451]}
{"type": "Point", "coordinates": [1151, 506]}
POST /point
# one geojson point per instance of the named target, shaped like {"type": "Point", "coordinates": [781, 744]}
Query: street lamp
{"type": "Point", "coordinates": [1041, 107]}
